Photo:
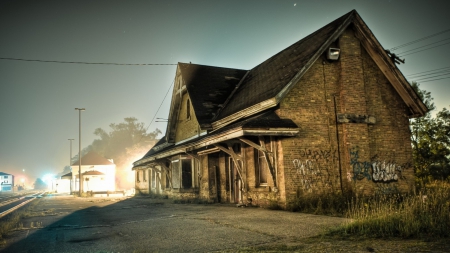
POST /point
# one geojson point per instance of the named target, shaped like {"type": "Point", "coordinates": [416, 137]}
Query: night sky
{"type": "Point", "coordinates": [37, 99]}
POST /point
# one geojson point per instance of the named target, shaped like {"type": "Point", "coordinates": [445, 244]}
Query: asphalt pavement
{"type": "Point", "coordinates": [139, 224]}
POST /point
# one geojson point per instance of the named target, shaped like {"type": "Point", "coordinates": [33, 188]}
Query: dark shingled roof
{"type": "Point", "coordinates": [68, 175]}
{"type": "Point", "coordinates": [4, 174]}
{"type": "Point", "coordinates": [93, 158]}
{"type": "Point", "coordinates": [209, 87]}
{"type": "Point", "coordinates": [266, 80]}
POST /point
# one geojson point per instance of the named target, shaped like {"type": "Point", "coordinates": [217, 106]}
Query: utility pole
{"type": "Point", "coordinates": [79, 150]}
{"type": "Point", "coordinates": [70, 164]}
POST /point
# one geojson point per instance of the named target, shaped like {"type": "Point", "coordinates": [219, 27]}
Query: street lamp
{"type": "Point", "coordinates": [79, 149]}
{"type": "Point", "coordinates": [70, 163]}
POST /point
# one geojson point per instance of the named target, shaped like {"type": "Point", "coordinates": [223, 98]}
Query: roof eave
{"type": "Point", "coordinates": [216, 138]}
{"type": "Point", "coordinates": [393, 74]}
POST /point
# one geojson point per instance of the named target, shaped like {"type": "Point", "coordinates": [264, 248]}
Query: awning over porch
{"type": "Point", "coordinates": [263, 124]}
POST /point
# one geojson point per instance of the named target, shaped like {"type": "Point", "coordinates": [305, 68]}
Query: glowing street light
{"type": "Point", "coordinates": [79, 150]}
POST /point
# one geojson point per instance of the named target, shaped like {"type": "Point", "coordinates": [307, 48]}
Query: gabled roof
{"type": "Point", "coordinates": [67, 176]}
{"type": "Point", "coordinates": [4, 174]}
{"type": "Point", "coordinates": [93, 158]}
{"type": "Point", "coordinates": [266, 84]}
{"type": "Point", "coordinates": [92, 173]}
{"type": "Point", "coordinates": [209, 87]}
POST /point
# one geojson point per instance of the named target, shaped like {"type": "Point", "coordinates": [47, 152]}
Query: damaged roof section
{"type": "Point", "coordinates": [209, 87]}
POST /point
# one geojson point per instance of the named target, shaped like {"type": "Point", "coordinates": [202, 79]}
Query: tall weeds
{"type": "Point", "coordinates": [424, 214]}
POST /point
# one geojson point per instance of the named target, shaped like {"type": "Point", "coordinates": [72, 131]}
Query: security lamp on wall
{"type": "Point", "coordinates": [333, 54]}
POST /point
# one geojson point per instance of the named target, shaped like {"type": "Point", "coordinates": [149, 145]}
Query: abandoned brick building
{"type": "Point", "coordinates": [330, 113]}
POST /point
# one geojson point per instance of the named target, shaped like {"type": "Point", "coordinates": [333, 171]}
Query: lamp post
{"type": "Point", "coordinates": [70, 164]}
{"type": "Point", "coordinates": [79, 150]}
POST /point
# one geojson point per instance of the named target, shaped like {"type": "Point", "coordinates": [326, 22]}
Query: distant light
{"type": "Point", "coordinates": [48, 178]}
{"type": "Point", "coordinates": [295, 4]}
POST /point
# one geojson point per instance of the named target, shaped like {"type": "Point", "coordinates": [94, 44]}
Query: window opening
{"type": "Point", "coordinates": [188, 109]}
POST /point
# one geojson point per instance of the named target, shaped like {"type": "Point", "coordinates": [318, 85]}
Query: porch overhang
{"type": "Point", "coordinates": [212, 139]}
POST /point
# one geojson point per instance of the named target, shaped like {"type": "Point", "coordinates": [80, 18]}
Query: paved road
{"type": "Point", "coordinates": [70, 224]}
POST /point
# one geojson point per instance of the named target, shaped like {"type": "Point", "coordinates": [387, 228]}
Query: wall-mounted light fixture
{"type": "Point", "coordinates": [333, 54]}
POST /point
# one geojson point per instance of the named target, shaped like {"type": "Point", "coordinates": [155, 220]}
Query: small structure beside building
{"type": "Point", "coordinates": [7, 182]}
{"type": "Point", "coordinates": [329, 114]}
{"type": "Point", "coordinates": [98, 174]}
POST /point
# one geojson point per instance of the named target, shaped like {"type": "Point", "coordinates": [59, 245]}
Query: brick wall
{"type": "Point", "coordinates": [186, 127]}
{"type": "Point", "coordinates": [312, 162]}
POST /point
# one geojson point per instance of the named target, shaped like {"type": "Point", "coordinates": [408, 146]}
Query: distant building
{"type": "Point", "coordinates": [98, 174]}
{"type": "Point", "coordinates": [7, 182]}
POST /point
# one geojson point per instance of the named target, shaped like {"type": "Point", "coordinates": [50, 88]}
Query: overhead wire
{"type": "Point", "coordinates": [427, 71]}
{"type": "Point", "coordinates": [429, 77]}
{"type": "Point", "coordinates": [433, 74]}
{"type": "Point", "coordinates": [154, 116]}
{"type": "Point", "coordinates": [418, 40]}
{"type": "Point", "coordinates": [400, 54]}
{"type": "Point", "coordinates": [433, 80]}
{"type": "Point", "coordinates": [425, 49]}
{"type": "Point", "coordinates": [81, 62]}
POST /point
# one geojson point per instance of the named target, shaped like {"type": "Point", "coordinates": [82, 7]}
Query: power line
{"type": "Point", "coordinates": [425, 78]}
{"type": "Point", "coordinates": [434, 79]}
{"type": "Point", "coordinates": [422, 46]}
{"type": "Point", "coordinates": [154, 116]}
{"type": "Point", "coordinates": [427, 71]}
{"type": "Point", "coordinates": [426, 49]}
{"type": "Point", "coordinates": [80, 62]}
{"type": "Point", "coordinates": [418, 40]}
{"type": "Point", "coordinates": [434, 73]}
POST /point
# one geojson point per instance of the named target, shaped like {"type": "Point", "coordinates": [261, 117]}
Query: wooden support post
{"type": "Point", "coordinates": [235, 158]}
{"type": "Point", "coordinates": [269, 163]}
{"type": "Point", "coordinates": [167, 172]}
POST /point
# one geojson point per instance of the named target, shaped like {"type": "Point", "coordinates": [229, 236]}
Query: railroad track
{"type": "Point", "coordinates": [14, 203]}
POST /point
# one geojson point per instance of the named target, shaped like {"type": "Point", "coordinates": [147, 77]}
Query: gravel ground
{"type": "Point", "coordinates": [71, 224]}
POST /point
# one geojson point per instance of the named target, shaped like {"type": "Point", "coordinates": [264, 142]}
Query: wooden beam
{"type": "Point", "coordinates": [167, 172]}
{"type": "Point", "coordinates": [235, 158]}
{"type": "Point", "coordinates": [252, 144]}
{"type": "Point", "coordinates": [269, 163]}
{"type": "Point", "coordinates": [196, 157]}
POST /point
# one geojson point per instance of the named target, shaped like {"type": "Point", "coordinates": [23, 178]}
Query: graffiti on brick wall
{"type": "Point", "coordinates": [314, 168]}
{"type": "Point", "coordinates": [361, 169]}
{"type": "Point", "coordinates": [377, 169]}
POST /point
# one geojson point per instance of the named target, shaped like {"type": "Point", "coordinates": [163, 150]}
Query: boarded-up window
{"type": "Point", "coordinates": [176, 174]}
{"type": "Point", "coordinates": [262, 169]}
{"type": "Point", "coordinates": [153, 178]}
